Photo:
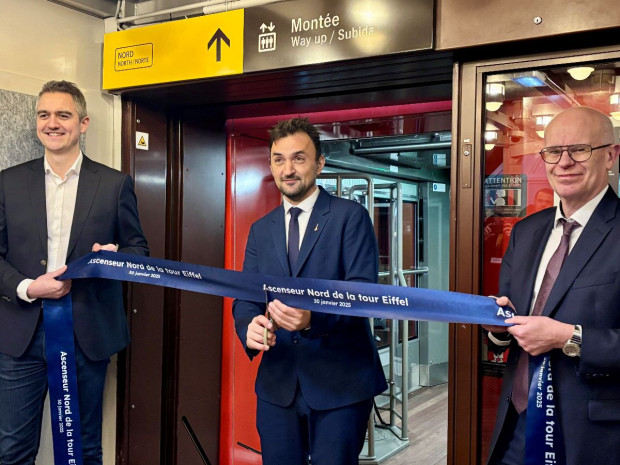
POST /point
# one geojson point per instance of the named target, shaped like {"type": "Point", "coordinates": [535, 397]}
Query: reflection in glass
{"type": "Point", "coordinates": [614, 100]}
{"type": "Point", "coordinates": [515, 180]}
{"type": "Point", "coordinates": [580, 72]}
{"type": "Point", "coordinates": [541, 124]}
{"type": "Point", "coordinates": [494, 96]}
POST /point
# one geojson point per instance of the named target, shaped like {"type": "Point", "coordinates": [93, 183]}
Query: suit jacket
{"type": "Point", "coordinates": [105, 212]}
{"type": "Point", "coordinates": [586, 292]}
{"type": "Point", "coordinates": [336, 361]}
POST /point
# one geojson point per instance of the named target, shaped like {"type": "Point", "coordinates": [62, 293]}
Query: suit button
{"type": "Point", "coordinates": [43, 262]}
{"type": "Point", "coordinates": [295, 340]}
{"type": "Point", "coordinates": [507, 398]}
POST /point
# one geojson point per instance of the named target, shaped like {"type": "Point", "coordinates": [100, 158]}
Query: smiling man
{"type": "Point", "coordinates": [53, 210]}
{"type": "Point", "coordinates": [561, 272]}
{"type": "Point", "coordinates": [319, 372]}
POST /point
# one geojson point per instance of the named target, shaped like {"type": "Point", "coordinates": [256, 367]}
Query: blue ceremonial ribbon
{"type": "Point", "coordinates": [337, 297]}
{"type": "Point", "coordinates": [62, 380]}
{"type": "Point", "coordinates": [544, 443]}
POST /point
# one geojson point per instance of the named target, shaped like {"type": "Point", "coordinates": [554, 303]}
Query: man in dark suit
{"type": "Point", "coordinates": [571, 309]}
{"type": "Point", "coordinates": [53, 210]}
{"type": "Point", "coordinates": [319, 372]}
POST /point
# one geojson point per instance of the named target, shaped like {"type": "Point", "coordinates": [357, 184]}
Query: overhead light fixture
{"type": "Point", "coordinates": [491, 133]}
{"type": "Point", "coordinates": [541, 123]}
{"type": "Point", "coordinates": [494, 96]}
{"type": "Point", "coordinates": [602, 81]}
{"type": "Point", "coordinates": [580, 73]}
{"type": "Point", "coordinates": [530, 79]}
{"type": "Point", "coordinates": [490, 138]}
{"type": "Point", "coordinates": [614, 101]}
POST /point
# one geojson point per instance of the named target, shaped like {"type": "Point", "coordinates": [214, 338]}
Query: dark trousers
{"type": "Point", "coordinates": [23, 387]}
{"type": "Point", "coordinates": [289, 435]}
{"type": "Point", "coordinates": [510, 449]}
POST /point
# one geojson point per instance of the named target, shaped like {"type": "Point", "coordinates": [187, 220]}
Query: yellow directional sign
{"type": "Point", "coordinates": [195, 48]}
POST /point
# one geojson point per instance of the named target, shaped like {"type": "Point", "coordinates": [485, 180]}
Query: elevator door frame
{"type": "Point", "coordinates": [464, 415]}
{"type": "Point", "coordinates": [168, 404]}
{"type": "Point", "coordinates": [244, 445]}
{"type": "Point", "coordinates": [416, 79]}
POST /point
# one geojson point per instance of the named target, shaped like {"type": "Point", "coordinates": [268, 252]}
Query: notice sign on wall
{"type": "Point", "coordinates": [504, 195]}
{"type": "Point", "coordinates": [142, 140]}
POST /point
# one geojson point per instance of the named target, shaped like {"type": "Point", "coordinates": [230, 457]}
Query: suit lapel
{"type": "Point", "coordinates": [316, 223]}
{"type": "Point", "coordinates": [530, 260]}
{"type": "Point", "coordinates": [87, 188]}
{"type": "Point", "coordinates": [278, 236]}
{"type": "Point", "coordinates": [36, 186]}
{"type": "Point", "coordinates": [589, 241]}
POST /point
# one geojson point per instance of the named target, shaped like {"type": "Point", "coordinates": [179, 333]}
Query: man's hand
{"type": "Point", "coordinates": [109, 247]}
{"type": "Point", "coordinates": [256, 333]}
{"type": "Point", "coordinates": [47, 286]}
{"type": "Point", "coordinates": [502, 302]}
{"type": "Point", "coordinates": [289, 318]}
{"type": "Point", "coordinates": [539, 334]}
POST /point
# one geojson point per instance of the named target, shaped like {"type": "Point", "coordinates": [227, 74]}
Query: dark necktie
{"type": "Point", "coordinates": [520, 388]}
{"type": "Point", "coordinates": [293, 237]}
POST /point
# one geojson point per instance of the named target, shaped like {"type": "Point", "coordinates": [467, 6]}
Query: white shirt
{"type": "Point", "coordinates": [60, 196]}
{"type": "Point", "coordinates": [306, 207]}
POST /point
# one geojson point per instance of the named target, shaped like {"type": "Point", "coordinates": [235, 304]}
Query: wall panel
{"type": "Point", "coordinates": [466, 23]}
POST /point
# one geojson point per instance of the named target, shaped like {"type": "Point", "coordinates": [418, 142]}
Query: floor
{"type": "Point", "coordinates": [428, 428]}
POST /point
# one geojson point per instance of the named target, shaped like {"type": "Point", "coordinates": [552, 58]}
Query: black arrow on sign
{"type": "Point", "coordinates": [219, 36]}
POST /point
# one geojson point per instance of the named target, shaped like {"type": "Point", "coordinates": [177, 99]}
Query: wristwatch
{"type": "Point", "coordinates": [572, 347]}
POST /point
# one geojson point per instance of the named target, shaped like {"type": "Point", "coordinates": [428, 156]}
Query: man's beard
{"type": "Point", "coordinates": [295, 193]}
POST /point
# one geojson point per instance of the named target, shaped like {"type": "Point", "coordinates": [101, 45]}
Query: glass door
{"type": "Point", "coordinates": [499, 178]}
{"type": "Point", "coordinates": [518, 106]}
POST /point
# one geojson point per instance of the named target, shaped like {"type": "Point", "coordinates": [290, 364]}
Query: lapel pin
{"type": "Point", "coordinates": [316, 228]}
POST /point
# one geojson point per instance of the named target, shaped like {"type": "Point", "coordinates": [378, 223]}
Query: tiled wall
{"type": "Point", "coordinates": [18, 137]}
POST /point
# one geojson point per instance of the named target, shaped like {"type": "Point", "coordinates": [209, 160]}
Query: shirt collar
{"type": "Point", "coordinates": [75, 168]}
{"type": "Point", "coordinates": [582, 216]}
{"type": "Point", "coordinates": [305, 205]}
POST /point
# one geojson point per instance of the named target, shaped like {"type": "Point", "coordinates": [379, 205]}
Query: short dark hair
{"type": "Point", "coordinates": [292, 126]}
{"type": "Point", "coordinates": [70, 88]}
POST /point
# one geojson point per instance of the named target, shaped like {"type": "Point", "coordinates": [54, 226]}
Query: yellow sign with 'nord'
{"type": "Point", "coordinates": [133, 57]}
{"type": "Point", "coordinates": [195, 48]}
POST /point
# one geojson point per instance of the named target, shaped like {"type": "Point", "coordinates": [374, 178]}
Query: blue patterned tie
{"type": "Point", "coordinates": [521, 385]}
{"type": "Point", "coordinates": [293, 237]}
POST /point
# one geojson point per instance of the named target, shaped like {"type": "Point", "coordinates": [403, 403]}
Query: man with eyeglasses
{"type": "Point", "coordinates": [561, 272]}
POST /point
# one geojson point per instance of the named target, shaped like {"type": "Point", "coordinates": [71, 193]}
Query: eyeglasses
{"type": "Point", "coordinates": [578, 152]}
